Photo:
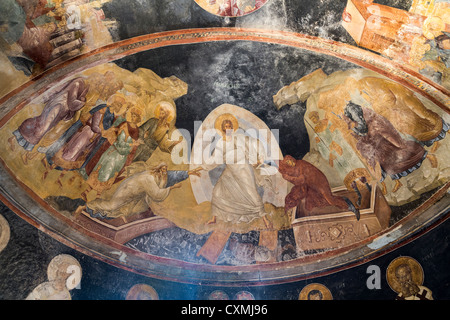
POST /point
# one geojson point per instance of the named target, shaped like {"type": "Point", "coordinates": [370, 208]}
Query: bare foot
{"type": "Point", "coordinates": [268, 223]}
{"type": "Point", "coordinates": [212, 221]}
{"type": "Point", "coordinates": [435, 147]}
{"type": "Point", "coordinates": [79, 210]}
{"type": "Point", "coordinates": [433, 160]}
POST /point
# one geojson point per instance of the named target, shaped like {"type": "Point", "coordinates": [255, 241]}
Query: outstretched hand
{"type": "Point", "coordinates": [176, 186]}
{"type": "Point", "coordinates": [196, 171]}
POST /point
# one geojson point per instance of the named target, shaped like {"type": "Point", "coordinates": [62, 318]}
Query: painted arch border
{"type": "Point", "coordinates": [39, 214]}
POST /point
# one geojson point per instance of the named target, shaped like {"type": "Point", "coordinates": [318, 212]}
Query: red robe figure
{"type": "Point", "coordinates": [310, 185]}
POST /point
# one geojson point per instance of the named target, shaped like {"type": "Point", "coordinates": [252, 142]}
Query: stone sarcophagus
{"type": "Point", "coordinates": [322, 229]}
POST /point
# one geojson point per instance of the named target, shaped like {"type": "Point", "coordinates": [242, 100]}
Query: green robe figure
{"type": "Point", "coordinates": [155, 133]}
{"type": "Point", "coordinates": [113, 160]}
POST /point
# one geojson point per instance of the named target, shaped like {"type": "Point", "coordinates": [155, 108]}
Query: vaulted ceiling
{"type": "Point", "coordinates": [345, 105]}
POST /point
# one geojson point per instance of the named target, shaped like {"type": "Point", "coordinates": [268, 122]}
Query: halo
{"type": "Point", "coordinates": [120, 97]}
{"type": "Point", "coordinates": [142, 292]}
{"type": "Point", "coordinates": [244, 295]}
{"type": "Point", "coordinates": [326, 294]}
{"type": "Point", "coordinates": [218, 295]}
{"type": "Point", "coordinates": [225, 116]}
{"type": "Point", "coordinates": [5, 233]}
{"type": "Point", "coordinates": [55, 268]}
{"type": "Point", "coordinates": [136, 111]}
{"type": "Point", "coordinates": [354, 175]}
{"type": "Point", "coordinates": [416, 272]}
{"type": "Point", "coordinates": [168, 107]}
{"type": "Point", "coordinates": [115, 96]}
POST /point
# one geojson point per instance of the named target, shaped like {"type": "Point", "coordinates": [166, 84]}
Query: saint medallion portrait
{"type": "Point", "coordinates": [4, 233]}
{"type": "Point", "coordinates": [142, 292]}
{"type": "Point", "coordinates": [315, 291]}
{"type": "Point", "coordinates": [405, 276]}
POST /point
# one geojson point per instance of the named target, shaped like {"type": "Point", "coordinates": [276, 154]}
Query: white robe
{"type": "Point", "coordinates": [235, 196]}
{"type": "Point", "coordinates": [134, 195]}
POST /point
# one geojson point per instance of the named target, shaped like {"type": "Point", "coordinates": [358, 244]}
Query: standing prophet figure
{"type": "Point", "coordinates": [155, 133]}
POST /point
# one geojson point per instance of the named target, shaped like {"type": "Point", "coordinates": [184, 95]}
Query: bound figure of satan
{"type": "Point", "coordinates": [310, 185]}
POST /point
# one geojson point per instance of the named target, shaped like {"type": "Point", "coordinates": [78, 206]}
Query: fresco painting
{"type": "Point", "coordinates": [225, 153]}
{"type": "Point", "coordinates": [104, 146]}
{"type": "Point", "coordinates": [417, 37]}
{"type": "Point", "coordinates": [37, 35]}
{"type": "Point", "coordinates": [329, 99]}
{"type": "Point", "coordinates": [231, 8]}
